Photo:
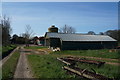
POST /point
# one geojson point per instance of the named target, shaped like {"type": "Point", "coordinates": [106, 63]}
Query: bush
{"type": "Point", "coordinates": [6, 50]}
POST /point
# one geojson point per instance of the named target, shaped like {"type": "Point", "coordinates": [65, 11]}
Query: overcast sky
{"type": "Point", "coordinates": [83, 16]}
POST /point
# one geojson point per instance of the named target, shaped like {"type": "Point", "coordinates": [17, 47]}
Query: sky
{"type": "Point", "coordinates": [60, 0]}
{"type": "Point", "coordinates": [83, 16]}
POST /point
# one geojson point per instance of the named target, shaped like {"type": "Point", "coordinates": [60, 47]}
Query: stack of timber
{"type": "Point", "coordinates": [85, 73]}
{"type": "Point", "coordinates": [81, 72]}
{"type": "Point", "coordinates": [76, 59]}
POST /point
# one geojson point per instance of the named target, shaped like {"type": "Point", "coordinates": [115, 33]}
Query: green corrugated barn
{"type": "Point", "coordinates": [78, 41]}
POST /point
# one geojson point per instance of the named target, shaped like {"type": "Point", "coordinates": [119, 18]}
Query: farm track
{"type": "Point", "coordinates": [23, 70]}
{"type": "Point", "coordinates": [39, 52]}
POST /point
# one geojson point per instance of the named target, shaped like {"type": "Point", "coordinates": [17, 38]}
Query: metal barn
{"type": "Point", "coordinates": [78, 41]}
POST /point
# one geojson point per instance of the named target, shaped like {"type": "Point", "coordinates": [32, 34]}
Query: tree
{"type": "Point", "coordinates": [119, 35]}
{"type": "Point", "coordinates": [6, 30]}
{"type": "Point", "coordinates": [21, 40]}
{"type": "Point", "coordinates": [18, 39]}
{"type": "Point", "coordinates": [91, 33]}
{"type": "Point", "coordinates": [101, 33]}
{"type": "Point", "coordinates": [67, 29]}
{"type": "Point", "coordinates": [28, 34]}
{"type": "Point", "coordinates": [0, 36]}
{"type": "Point", "coordinates": [35, 39]}
{"type": "Point", "coordinates": [114, 34]}
{"type": "Point", "coordinates": [14, 39]}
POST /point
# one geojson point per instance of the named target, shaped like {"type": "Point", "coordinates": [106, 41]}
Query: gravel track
{"type": "Point", "coordinates": [23, 69]}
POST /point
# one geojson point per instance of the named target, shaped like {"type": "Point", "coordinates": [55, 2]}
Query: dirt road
{"type": "Point", "coordinates": [23, 70]}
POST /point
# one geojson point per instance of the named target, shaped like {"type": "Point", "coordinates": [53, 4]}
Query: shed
{"type": "Point", "coordinates": [78, 41]}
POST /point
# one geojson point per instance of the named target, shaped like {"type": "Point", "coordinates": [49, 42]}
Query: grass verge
{"type": "Point", "coordinates": [6, 50]}
{"type": "Point", "coordinates": [46, 66]}
{"type": "Point", "coordinates": [103, 53]}
{"type": "Point", "coordinates": [9, 66]}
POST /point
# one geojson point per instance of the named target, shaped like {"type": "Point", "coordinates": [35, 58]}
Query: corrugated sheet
{"type": "Point", "coordinates": [79, 37]}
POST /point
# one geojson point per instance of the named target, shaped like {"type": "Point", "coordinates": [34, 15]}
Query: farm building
{"type": "Point", "coordinates": [53, 39]}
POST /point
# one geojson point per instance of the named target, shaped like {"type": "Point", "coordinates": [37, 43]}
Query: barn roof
{"type": "Point", "coordinates": [78, 37]}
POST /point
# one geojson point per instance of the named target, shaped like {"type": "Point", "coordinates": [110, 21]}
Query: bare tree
{"type": "Point", "coordinates": [6, 30]}
{"type": "Point", "coordinates": [67, 29]}
{"type": "Point", "coordinates": [28, 34]}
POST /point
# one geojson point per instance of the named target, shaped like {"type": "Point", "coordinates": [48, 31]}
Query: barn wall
{"type": "Point", "coordinates": [110, 45]}
{"type": "Point", "coordinates": [55, 42]}
{"type": "Point", "coordinates": [72, 45]}
{"type": "Point", "coordinates": [47, 42]}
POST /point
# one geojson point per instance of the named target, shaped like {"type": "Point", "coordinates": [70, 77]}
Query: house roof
{"type": "Point", "coordinates": [78, 37]}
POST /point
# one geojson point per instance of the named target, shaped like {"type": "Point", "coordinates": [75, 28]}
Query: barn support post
{"type": "Point", "coordinates": [45, 42]}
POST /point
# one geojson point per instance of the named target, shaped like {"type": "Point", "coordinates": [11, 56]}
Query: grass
{"type": "Point", "coordinates": [35, 47]}
{"type": "Point", "coordinates": [106, 70]}
{"type": "Point", "coordinates": [112, 61]}
{"type": "Point", "coordinates": [7, 49]}
{"type": "Point", "coordinates": [103, 53]}
{"type": "Point", "coordinates": [46, 66]}
{"type": "Point", "coordinates": [9, 66]}
{"type": "Point", "coordinates": [0, 52]}
{"type": "Point", "coordinates": [0, 48]}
